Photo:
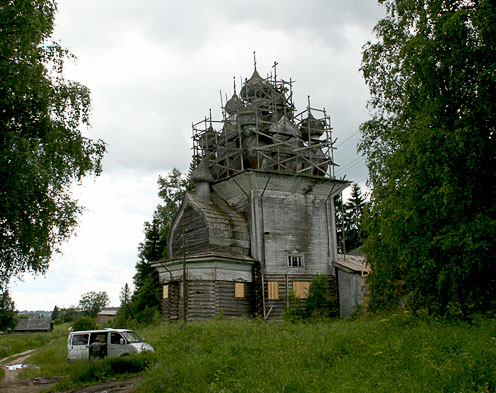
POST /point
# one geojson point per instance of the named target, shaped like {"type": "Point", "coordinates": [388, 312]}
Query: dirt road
{"type": "Point", "coordinates": [11, 384]}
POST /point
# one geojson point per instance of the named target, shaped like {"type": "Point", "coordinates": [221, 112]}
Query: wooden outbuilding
{"type": "Point", "coordinates": [107, 314]}
{"type": "Point", "coordinates": [351, 274]}
{"type": "Point", "coordinates": [37, 325]}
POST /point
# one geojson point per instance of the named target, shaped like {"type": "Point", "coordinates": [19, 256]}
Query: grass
{"type": "Point", "coordinates": [396, 353]}
{"type": "Point", "coordinates": [11, 344]}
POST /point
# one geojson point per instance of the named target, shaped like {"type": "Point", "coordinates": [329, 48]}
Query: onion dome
{"type": "Point", "coordinates": [311, 127]}
{"type": "Point", "coordinates": [248, 116]}
{"type": "Point", "coordinates": [208, 139]}
{"type": "Point", "coordinates": [234, 104]}
{"type": "Point", "coordinates": [284, 126]}
{"type": "Point", "coordinates": [255, 87]}
{"type": "Point", "coordinates": [201, 173]}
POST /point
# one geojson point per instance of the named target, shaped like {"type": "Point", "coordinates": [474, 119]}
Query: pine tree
{"type": "Point", "coordinates": [147, 297]}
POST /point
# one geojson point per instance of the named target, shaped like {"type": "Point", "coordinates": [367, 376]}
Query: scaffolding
{"type": "Point", "coordinates": [261, 130]}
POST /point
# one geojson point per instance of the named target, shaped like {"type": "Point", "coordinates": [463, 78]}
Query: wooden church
{"type": "Point", "coordinates": [260, 223]}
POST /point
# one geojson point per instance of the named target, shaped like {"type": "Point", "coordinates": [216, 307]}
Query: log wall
{"type": "Point", "coordinates": [206, 299]}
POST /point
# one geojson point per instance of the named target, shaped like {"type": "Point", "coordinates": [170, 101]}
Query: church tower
{"type": "Point", "coordinates": [260, 223]}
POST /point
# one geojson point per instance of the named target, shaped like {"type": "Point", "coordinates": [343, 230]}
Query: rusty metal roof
{"type": "Point", "coordinates": [356, 263]}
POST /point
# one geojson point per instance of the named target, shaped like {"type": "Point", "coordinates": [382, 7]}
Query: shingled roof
{"type": "Point", "coordinates": [34, 325]}
{"type": "Point", "coordinates": [209, 226]}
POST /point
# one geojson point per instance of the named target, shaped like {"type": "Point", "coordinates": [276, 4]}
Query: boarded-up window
{"type": "Point", "coordinates": [239, 289]}
{"type": "Point", "coordinates": [300, 289]}
{"type": "Point", "coordinates": [165, 292]}
{"type": "Point", "coordinates": [273, 290]}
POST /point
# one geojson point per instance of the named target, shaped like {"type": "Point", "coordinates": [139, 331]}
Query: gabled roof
{"type": "Point", "coordinates": [109, 311]}
{"type": "Point", "coordinates": [32, 325]}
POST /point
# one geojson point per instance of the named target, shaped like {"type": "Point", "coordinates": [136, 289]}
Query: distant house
{"type": "Point", "coordinates": [107, 314]}
{"type": "Point", "coordinates": [351, 273]}
{"type": "Point", "coordinates": [34, 325]}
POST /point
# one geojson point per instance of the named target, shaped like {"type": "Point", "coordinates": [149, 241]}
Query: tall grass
{"type": "Point", "coordinates": [13, 343]}
{"type": "Point", "coordinates": [395, 354]}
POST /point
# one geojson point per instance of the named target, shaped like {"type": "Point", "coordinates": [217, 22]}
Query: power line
{"type": "Point", "coordinates": [349, 165]}
{"type": "Point", "coordinates": [347, 139]}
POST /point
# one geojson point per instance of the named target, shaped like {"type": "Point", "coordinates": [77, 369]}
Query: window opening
{"type": "Point", "coordinates": [115, 338]}
{"type": "Point", "coordinates": [80, 339]}
{"type": "Point", "coordinates": [295, 260]}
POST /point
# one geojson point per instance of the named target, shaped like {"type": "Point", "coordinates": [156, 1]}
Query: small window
{"type": "Point", "coordinates": [115, 338]}
{"type": "Point", "coordinates": [239, 289]}
{"type": "Point", "coordinates": [273, 290]}
{"type": "Point", "coordinates": [295, 260]}
{"type": "Point", "coordinates": [80, 339]}
{"type": "Point", "coordinates": [300, 289]}
{"type": "Point", "coordinates": [165, 292]}
{"type": "Point", "coordinates": [101, 337]}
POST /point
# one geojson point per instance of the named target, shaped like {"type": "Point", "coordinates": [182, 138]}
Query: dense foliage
{"type": "Point", "coordinates": [318, 304]}
{"type": "Point", "coordinates": [146, 299]}
{"type": "Point", "coordinates": [430, 148]}
{"type": "Point", "coordinates": [349, 220]}
{"type": "Point", "coordinates": [42, 150]}
{"type": "Point", "coordinates": [84, 323]}
{"type": "Point", "coordinates": [7, 312]}
{"type": "Point", "coordinates": [93, 302]}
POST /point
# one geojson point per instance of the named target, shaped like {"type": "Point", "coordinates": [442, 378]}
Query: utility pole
{"type": "Point", "coordinates": [185, 306]}
{"type": "Point", "coordinates": [342, 226]}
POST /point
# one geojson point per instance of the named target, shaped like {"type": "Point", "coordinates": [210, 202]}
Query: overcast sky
{"type": "Point", "coordinates": [154, 67]}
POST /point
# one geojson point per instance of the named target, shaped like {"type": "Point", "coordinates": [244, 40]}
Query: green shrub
{"type": "Point", "coordinates": [296, 310]}
{"type": "Point", "coordinates": [319, 303]}
{"type": "Point", "coordinates": [84, 323]}
{"type": "Point", "coordinates": [109, 368]}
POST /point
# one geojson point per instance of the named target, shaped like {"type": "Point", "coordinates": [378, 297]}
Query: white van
{"type": "Point", "coordinates": [88, 344]}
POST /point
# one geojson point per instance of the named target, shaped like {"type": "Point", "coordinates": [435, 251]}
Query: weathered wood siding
{"type": "Point", "coordinates": [172, 306]}
{"type": "Point", "coordinates": [205, 299]}
{"type": "Point", "coordinates": [193, 226]}
{"type": "Point", "coordinates": [349, 291]}
{"type": "Point", "coordinates": [287, 214]}
{"type": "Point", "coordinates": [208, 226]}
{"type": "Point", "coordinates": [294, 223]}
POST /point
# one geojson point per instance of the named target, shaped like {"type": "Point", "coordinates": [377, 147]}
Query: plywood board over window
{"type": "Point", "coordinates": [165, 292]}
{"type": "Point", "coordinates": [239, 289]}
{"type": "Point", "coordinates": [301, 288]}
{"type": "Point", "coordinates": [273, 290]}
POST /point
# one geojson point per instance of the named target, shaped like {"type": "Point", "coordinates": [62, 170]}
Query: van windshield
{"type": "Point", "coordinates": [132, 337]}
